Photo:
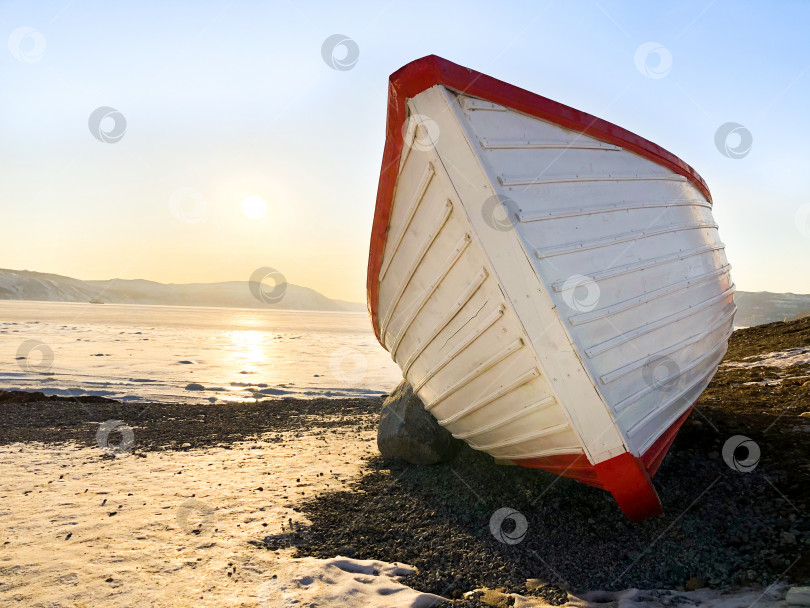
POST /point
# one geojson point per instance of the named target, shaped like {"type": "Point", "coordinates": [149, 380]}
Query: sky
{"type": "Point", "coordinates": [225, 100]}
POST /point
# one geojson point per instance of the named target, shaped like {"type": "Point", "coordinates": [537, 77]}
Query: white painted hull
{"type": "Point", "coordinates": [555, 300]}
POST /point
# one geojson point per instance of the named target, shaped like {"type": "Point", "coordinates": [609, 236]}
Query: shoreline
{"type": "Point", "coordinates": [32, 416]}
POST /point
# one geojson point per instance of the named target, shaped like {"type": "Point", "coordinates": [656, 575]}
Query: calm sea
{"type": "Point", "coordinates": [189, 354]}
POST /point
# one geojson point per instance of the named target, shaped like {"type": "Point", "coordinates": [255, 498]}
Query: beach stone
{"type": "Point", "coordinates": [798, 596]}
{"type": "Point", "coordinates": [533, 584]}
{"type": "Point", "coordinates": [788, 538]}
{"type": "Point", "coordinates": [495, 597]}
{"type": "Point", "coordinates": [408, 432]}
{"type": "Point", "coordinates": [695, 583]}
{"type": "Point", "coordinates": [347, 551]}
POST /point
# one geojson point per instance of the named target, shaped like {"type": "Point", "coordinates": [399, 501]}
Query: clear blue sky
{"type": "Point", "coordinates": [232, 99]}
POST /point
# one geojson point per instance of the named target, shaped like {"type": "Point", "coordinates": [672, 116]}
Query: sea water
{"type": "Point", "coordinates": [189, 354]}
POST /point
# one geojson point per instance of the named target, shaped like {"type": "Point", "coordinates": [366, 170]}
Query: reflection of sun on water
{"type": "Point", "coordinates": [248, 346]}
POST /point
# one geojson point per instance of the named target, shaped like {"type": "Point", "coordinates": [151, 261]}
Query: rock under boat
{"type": "Point", "coordinates": [551, 285]}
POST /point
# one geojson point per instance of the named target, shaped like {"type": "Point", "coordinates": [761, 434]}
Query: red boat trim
{"type": "Point", "coordinates": [627, 477]}
{"type": "Point", "coordinates": [655, 454]}
{"type": "Point", "coordinates": [575, 466]}
{"type": "Point", "coordinates": [429, 71]}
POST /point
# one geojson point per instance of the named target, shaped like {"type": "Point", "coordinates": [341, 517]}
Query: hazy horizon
{"type": "Point", "coordinates": [141, 278]}
{"type": "Point", "coordinates": [228, 101]}
{"type": "Point", "coordinates": [247, 280]}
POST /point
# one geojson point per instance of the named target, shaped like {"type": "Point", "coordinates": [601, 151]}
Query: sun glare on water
{"type": "Point", "coordinates": [254, 207]}
{"type": "Point", "coordinates": [247, 346]}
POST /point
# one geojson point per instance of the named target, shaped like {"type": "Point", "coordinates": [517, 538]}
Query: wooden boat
{"type": "Point", "coordinates": [551, 285]}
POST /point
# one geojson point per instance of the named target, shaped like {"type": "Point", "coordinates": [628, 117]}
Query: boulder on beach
{"type": "Point", "coordinates": [408, 432]}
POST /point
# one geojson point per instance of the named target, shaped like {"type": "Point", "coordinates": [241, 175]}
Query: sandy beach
{"type": "Point", "coordinates": [160, 527]}
{"type": "Point", "coordinates": [86, 526]}
{"type": "Point", "coordinates": [287, 503]}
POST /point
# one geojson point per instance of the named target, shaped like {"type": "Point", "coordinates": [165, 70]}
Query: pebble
{"type": "Point", "coordinates": [495, 597]}
{"type": "Point", "coordinates": [798, 596]}
{"type": "Point", "coordinates": [695, 583]}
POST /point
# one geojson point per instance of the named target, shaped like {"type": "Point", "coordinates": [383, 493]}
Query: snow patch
{"type": "Point", "coordinates": [781, 359]}
{"type": "Point", "coordinates": [340, 582]}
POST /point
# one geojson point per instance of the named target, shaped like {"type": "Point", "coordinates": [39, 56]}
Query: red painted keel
{"type": "Point", "coordinates": [628, 478]}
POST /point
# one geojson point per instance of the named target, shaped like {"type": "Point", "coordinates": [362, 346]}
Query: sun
{"type": "Point", "coordinates": [254, 206]}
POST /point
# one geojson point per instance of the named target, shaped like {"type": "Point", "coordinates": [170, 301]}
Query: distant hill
{"type": "Point", "coordinates": [754, 308]}
{"type": "Point", "coordinates": [27, 285]}
{"type": "Point", "coordinates": [759, 307]}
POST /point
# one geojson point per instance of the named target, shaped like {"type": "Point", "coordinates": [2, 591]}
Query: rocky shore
{"type": "Point", "coordinates": [723, 528]}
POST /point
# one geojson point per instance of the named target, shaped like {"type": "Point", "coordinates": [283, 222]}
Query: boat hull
{"type": "Point", "coordinates": [552, 286]}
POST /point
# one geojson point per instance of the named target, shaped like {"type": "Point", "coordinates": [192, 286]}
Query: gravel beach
{"type": "Point", "coordinates": [723, 528]}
